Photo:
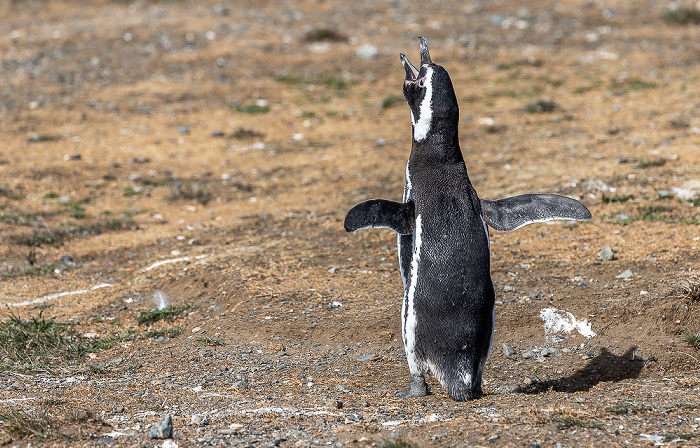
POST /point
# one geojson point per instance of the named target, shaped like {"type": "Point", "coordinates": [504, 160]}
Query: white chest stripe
{"type": "Point", "coordinates": [422, 126]}
{"type": "Point", "coordinates": [409, 329]}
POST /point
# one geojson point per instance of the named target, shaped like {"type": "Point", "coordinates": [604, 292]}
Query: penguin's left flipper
{"type": "Point", "coordinates": [518, 211]}
{"type": "Point", "coordinates": [380, 213]}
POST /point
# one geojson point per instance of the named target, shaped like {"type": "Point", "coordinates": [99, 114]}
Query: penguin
{"type": "Point", "coordinates": [447, 313]}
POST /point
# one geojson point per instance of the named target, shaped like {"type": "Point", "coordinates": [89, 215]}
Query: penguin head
{"type": "Point", "coordinates": [430, 95]}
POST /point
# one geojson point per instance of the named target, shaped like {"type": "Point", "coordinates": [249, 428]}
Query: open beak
{"type": "Point", "coordinates": [411, 70]}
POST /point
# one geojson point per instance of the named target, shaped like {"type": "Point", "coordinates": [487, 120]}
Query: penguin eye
{"type": "Point", "coordinates": [421, 83]}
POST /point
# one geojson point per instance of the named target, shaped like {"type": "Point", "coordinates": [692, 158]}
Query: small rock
{"type": "Point", "coordinates": [163, 429]}
{"type": "Point", "coordinates": [119, 409]}
{"type": "Point", "coordinates": [218, 134]}
{"type": "Point", "coordinates": [606, 254]}
{"type": "Point", "coordinates": [380, 142]}
{"type": "Point", "coordinates": [141, 160]}
{"type": "Point", "coordinates": [18, 386]}
{"type": "Point", "coordinates": [170, 444]}
{"type": "Point", "coordinates": [367, 51]}
{"type": "Point", "coordinates": [337, 404]}
{"type": "Point", "coordinates": [529, 354]}
{"type": "Point", "coordinates": [365, 357]}
{"type": "Point", "coordinates": [235, 426]}
{"type": "Point", "coordinates": [550, 351]}
{"type": "Point", "coordinates": [75, 157]}
{"type": "Point", "coordinates": [507, 349]}
{"type": "Point", "coordinates": [527, 382]}
{"type": "Point", "coordinates": [183, 130]}
{"type": "Point", "coordinates": [67, 261]}
{"type": "Point", "coordinates": [333, 270]}
{"type": "Point", "coordinates": [626, 274]}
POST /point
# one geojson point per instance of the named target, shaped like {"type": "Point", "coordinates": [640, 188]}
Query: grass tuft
{"type": "Point", "coordinates": [169, 333]}
{"type": "Point", "coordinates": [617, 198]}
{"type": "Point", "coordinates": [252, 109]}
{"type": "Point", "coordinates": [324, 35]}
{"type": "Point", "coordinates": [56, 237]}
{"type": "Point", "coordinates": [541, 106]}
{"type": "Point", "coordinates": [243, 133]}
{"type": "Point", "coordinates": [628, 408]}
{"type": "Point", "coordinates": [40, 343]}
{"type": "Point", "coordinates": [392, 100]}
{"type": "Point", "coordinates": [191, 193]}
{"type": "Point", "coordinates": [41, 138]}
{"type": "Point", "coordinates": [692, 338]}
{"type": "Point", "coordinates": [682, 16]}
{"type": "Point", "coordinates": [149, 317]}
{"type": "Point", "coordinates": [20, 424]}
{"type": "Point", "coordinates": [210, 341]}
{"type": "Point", "coordinates": [676, 435]}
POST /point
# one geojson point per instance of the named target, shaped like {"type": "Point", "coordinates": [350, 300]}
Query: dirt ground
{"type": "Point", "coordinates": [210, 151]}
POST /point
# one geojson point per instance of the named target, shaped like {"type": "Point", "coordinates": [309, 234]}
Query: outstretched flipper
{"type": "Point", "coordinates": [518, 211]}
{"type": "Point", "coordinates": [380, 213]}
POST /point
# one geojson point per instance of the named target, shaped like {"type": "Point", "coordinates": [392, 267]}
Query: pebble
{"type": "Point", "coordinates": [626, 274]}
{"type": "Point", "coordinates": [337, 404]}
{"type": "Point", "coordinates": [67, 261]}
{"type": "Point", "coordinates": [367, 51]}
{"type": "Point", "coordinates": [606, 254]}
{"type": "Point", "coordinates": [365, 357]}
{"type": "Point", "coordinates": [528, 354]}
{"type": "Point", "coordinates": [218, 134]}
{"type": "Point", "coordinates": [183, 130]}
{"type": "Point", "coordinates": [507, 349]}
{"type": "Point", "coordinates": [199, 420]}
{"type": "Point", "coordinates": [550, 351]}
{"type": "Point", "coordinates": [163, 429]}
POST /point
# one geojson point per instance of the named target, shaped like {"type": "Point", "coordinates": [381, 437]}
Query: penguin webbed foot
{"type": "Point", "coordinates": [417, 388]}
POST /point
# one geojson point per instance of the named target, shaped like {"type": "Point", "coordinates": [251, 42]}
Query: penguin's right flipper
{"type": "Point", "coordinates": [383, 214]}
{"type": "Point", "coordinates": [518, 211]}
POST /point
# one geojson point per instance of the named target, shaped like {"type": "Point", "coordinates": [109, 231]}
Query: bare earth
{"type": "Point", "coordinates": [210, 151]}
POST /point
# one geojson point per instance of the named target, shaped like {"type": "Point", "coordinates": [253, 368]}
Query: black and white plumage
{"type": "Point", "coordinates": [447, 313]}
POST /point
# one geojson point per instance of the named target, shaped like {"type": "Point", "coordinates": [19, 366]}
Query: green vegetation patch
{"type": "Point", "coordinates": [20, 424]}
{"type": "Point", "coordinates": [392, 100]}
{"type": "Point", "coordinates": [11, 215]}
{"type": "Point", "coordinates": [58, 236]}
{"type": "Point", "coordinates": [149, 317]}
{"type": "Point", "coordinates": [169, 333]}
{"type": "Point", "coordinates": [628, 408]}
{"type": "Point", "coordinates": [617, 198]}
{"type": "Point", "coordinates": [324, 35]}
{"type": "Point", "coordinates": [692, 338]}
{"type": "Point", "coordinates": [252, 109]}
{"type": "Point", "coordinates": [541, 106]}
{"type": "Point", "coordinates": [682, 16]}
{"type": "Point", "coordinates": [42, 138]}
{"type": "Point", "coordinates": [42, 344]}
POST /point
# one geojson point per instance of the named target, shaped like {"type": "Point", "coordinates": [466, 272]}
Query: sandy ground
{"type": "Point", "coordinates": [210, 151]}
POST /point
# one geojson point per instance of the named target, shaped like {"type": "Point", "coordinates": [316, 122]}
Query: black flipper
{"type": "Point", "coordinates": [380, 213]}
{"type": "Point", "coordinates": [517, 211]}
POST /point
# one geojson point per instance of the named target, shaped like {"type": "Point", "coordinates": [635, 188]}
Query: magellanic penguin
{"type": "Point", "coordinates": [448, 304]}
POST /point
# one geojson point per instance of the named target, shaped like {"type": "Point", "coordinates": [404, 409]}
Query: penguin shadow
{"type": "Point", "coordinates": [606, 367]}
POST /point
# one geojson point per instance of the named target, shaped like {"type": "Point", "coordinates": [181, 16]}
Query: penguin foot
{"type": "Point", "coordinates": [416, 388]}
